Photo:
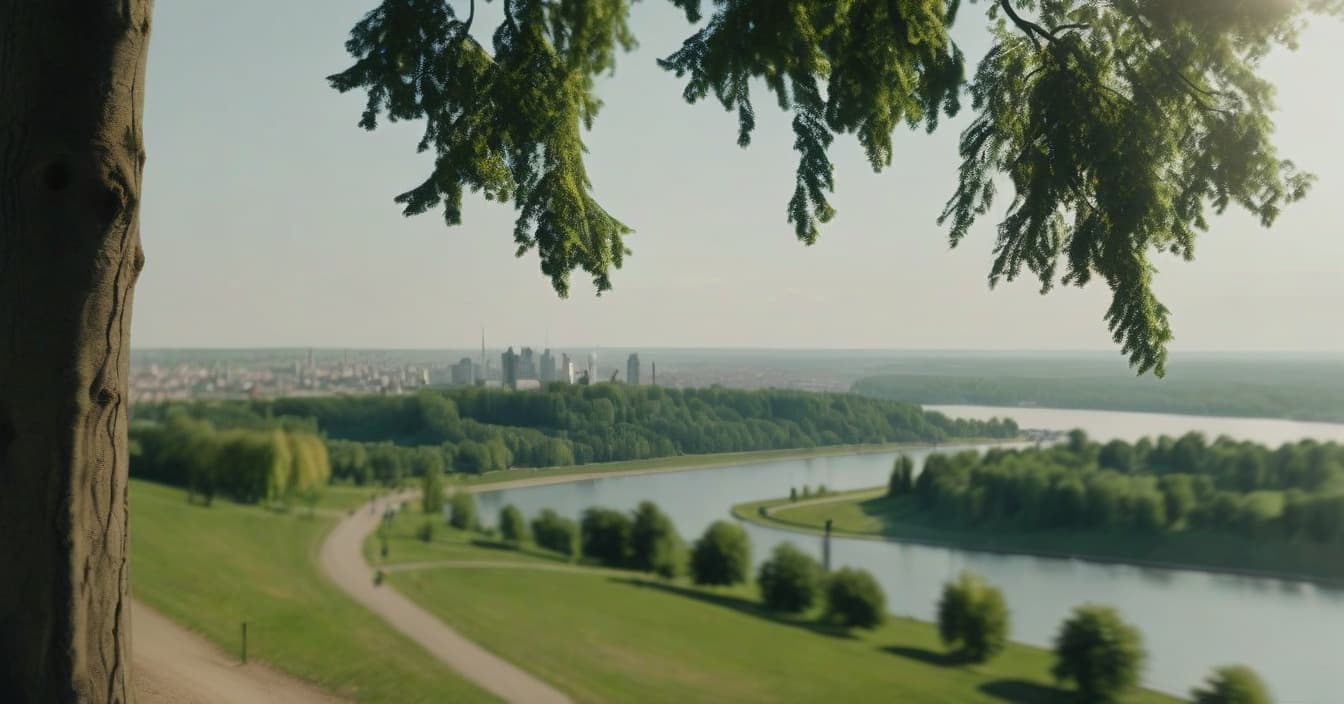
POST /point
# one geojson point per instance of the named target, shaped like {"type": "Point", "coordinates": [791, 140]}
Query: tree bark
{"type": "Point", "coordinates": [71, 156]}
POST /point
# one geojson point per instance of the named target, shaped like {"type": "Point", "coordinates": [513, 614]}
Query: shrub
{"type": "Point", "coordinates": [973, 618]}
{"type": "Point", "coordinates": [790, 580]}
{"type": "Point", "coordinates": [1232, 685]}
{"type": "Point", "coordinates": [655, 544]}
{"type": "Point", "coordinates": [553, 532]}
{"type": "Point", "coordinates": [793, 493]}
{"type": "Point", "coordinates": [462, 511]}
{"type": "Point", "coordinates": [854, 600]}
{"type": "Point", "coordinates": [426, 530]}
{"type": "Point", "coordinates": [1101, 654]}
{"type": "Point", "coordinates": [606, 536]}
{"type": "Point", "coordinates": [721, 556]}
{"type": "Point", "coordinates": [511, 524]}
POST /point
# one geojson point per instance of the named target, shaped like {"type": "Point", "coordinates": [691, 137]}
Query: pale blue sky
{"type": "Point", "coordinates": [268, 220]}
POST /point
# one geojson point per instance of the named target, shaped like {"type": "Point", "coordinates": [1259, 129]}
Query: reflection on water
{"type": "Point", "coordinates": [1192, 621]}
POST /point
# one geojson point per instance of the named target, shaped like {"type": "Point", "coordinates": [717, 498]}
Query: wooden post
{"type": "Point", "coordinates": [826, 547]}
{"type": "Point", "coordinates": [244, 642]}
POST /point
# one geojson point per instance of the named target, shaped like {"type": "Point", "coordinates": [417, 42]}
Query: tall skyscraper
{"type": "Point", "coordinates": [632, 370]}
{"type": "Point", "coordinates": [547, 371]}
{"type": "Point", "coordinates": [508, 363]}
{"type": "Point", "coordinates": [464, 372]}
{"type": "Point", "coordinates": [592, 367]}
{"type": "Point", "coordinates": [527, 364]}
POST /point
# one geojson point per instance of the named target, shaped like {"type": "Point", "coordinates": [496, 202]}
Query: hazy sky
{"type": "Point", "coordinates": [268, 220]}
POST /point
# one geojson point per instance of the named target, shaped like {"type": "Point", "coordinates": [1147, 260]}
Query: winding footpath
{"type": "Point", "coordinates": [343, 562]}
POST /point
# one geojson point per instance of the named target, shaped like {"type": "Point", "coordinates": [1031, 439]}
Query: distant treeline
{"type": "Point", "coordinates": [1295, 492]}
{"type": "Point", "coordinates": [1300, 399]}
{"type": "Point", "coordinates": [245, 465]}
{"type": "Point", "coordinates": [479, 429]}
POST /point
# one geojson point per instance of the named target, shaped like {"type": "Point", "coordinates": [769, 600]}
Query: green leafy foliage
{"type": "Point", "coordinates": [512, 527]}
{"type": "Point", "coordinates": [1119, 124]}
{"type": "Point", "coordinates": [973, 618]}
{"type": "Point", "coordinates": [1232, 685]}
{"type": "Point", "coordinates": [429, 465]}
{"type": "Point", "coordinates": [1099, 653]}
{"type": "Point", "coordinates": [553, 532]}
{"type": "Point", "coordinates": [722, 556]}
{"type": "Point", "coordinates": [654, 542]}
{"type": "Point", "coordinates": [902, 480]}
{"type": "Point", "coordinates": [462, 511]}
{"type": "Point", "coordinates": [606, 536]}
{"type": "Point", "coordinates": [1290, 493]}
{"type": "Point", "coordinates": [854, 599]}
{"type": "Point", "coordinates": [790, 581]}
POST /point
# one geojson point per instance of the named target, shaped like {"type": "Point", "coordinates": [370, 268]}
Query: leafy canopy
{"type": "Point", "coordinates": [1118, 124]}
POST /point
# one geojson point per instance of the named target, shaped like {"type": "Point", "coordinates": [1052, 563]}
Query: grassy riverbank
{"type": "Point", "coordinates": [212, 568]}
{"type": "Point", "coordinates": [684, 462]}
{"type": "Point", "coordinates": [602, 635]}
{"type": "Point", "coordinates": [871, 514]}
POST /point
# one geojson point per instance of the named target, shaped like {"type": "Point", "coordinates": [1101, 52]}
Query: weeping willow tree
{"type": "Point", "coordinates": [1118, 126]}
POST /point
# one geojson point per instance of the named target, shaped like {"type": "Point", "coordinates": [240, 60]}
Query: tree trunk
{"type": "Point", "coordinates": [71, 94]}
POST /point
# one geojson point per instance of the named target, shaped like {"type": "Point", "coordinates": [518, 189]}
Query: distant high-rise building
{"type": "Point", "coordinates": [527, 364]}
{"type": "Point", "coordinates": [632, 370]}
{"type": "Point", "coordinates": [592, 367]}
{"type": "Point", "coordinates": [567, 371]}
{"type": "Point", "coordinates": [508, 364]}
{"type": "Point", "coordinates": [464, 372]}
{"type": "Point", "coordinates": [547, 371]}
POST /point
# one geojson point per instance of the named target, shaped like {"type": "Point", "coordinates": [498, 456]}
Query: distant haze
{"type": "Point", "coordinates": [268, 220]}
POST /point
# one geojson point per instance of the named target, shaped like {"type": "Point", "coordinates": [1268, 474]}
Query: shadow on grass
{"type": "Point", "coordinates": [504, 546]}
{"type": "Point", "coordinates": [739, 605]}
{"type": "Point", "coordinates": [1024, 692]}
{"type": "Point", "coordinates": [928, 657]}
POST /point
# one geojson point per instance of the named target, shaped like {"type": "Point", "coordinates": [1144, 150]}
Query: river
{"type": "Point", "coordinates": [1292, 633]}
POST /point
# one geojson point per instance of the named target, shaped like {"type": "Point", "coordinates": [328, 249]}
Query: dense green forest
{"type": "Point", "coordinates": [1294, 492]}
{"type": "Point", "coordinates": [377, 438]}
{"type": "Point", "coordinates": [277, 463]}
{"type": "Point", "coordinates": [1313, 392]}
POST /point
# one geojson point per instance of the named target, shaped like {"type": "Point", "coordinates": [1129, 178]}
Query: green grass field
{"type": "Point", "coordinates": [211, 568]}
{"type": "Point", "coordinates": [870, 514]}
{"type": "Point", "coordinates": [604, 637]}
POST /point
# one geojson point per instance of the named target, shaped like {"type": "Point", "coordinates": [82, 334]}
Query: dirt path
{"type": "Point", "coordinates": [343, 562]}
{"type": "Point", "coordinates": [175, 666]}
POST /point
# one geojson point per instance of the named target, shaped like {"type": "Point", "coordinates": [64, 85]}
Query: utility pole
{"type": "Point", "coordinates": [244, 642]}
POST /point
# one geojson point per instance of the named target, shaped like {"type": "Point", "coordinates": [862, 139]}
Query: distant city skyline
{"type": "Point", "coordinates": [268, 221]}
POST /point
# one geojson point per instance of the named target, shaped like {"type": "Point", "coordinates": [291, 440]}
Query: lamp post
{"type": "Point", "coordinates": [826, 547]}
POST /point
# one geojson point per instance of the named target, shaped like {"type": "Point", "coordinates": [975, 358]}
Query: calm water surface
{"type": "Point", "coordinates": [1292, 633]}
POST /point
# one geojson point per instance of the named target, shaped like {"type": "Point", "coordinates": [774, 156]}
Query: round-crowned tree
{"type": "Point", "coordinates": [721, 556]}
{"type": "Point", "coordinates": [462, 511]}
{"type": "Point", "coordinates": [655, 544]}
{"type": "Point", "coordinates": [854, 599]}
{"type": "Point", "coordinates": [512, 527]}
{"type": "Point", "coordinates": [973, 618]}
{"type": "Point", "coordinates": [1101, 654]}
{"type": "Point", "coordinates": [790, 580]}
{"type": "Point", "coordinates": [1232, 685]}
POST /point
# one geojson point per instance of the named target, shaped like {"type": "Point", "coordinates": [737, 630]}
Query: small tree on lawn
{"type": "Point", "coordinates": [655, 544]}
{"type": "Point", "coordinates": [430, 464]}
{"type": "Point", "coordinates": [973, 618]}
{"type": "Point", "coordinates": [462, 511]}
{"type": "Point", "coordinates": [512, 527]}
{"type": "Point", "coordinates": [1101, 654]}
{"type": "Point", "coordinates": [854, 600]}
{"type": "Point", "coordinates": [553, 532]}
{"type": "Point", "coordinates": [1232, 685]}
{"type": "Point", "coordinates": [606, 536]}
{"type": "Point", "coordinates": [790, 580]}
{"type": "Point", "coordinates": [721, 556]}
{"type": "Point", "coordinates": [902, 482]}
